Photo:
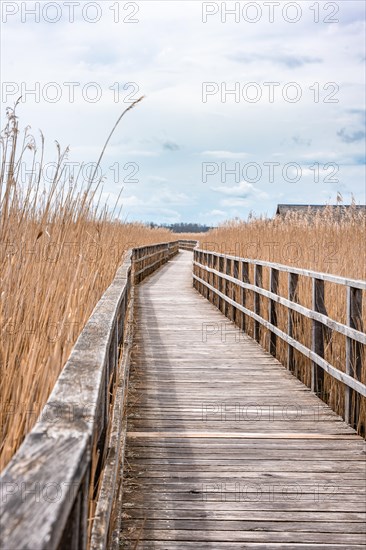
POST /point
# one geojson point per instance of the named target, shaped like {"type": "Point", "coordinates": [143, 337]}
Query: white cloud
{"type": "Point", "coordinates": [243, 189]}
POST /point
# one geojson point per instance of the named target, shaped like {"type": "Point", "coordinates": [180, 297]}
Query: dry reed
{"type": "Point", "coordinates": [59, 252]}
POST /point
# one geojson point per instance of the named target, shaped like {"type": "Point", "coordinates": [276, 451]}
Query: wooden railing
{"type": "Point", "coordinates": [148, 259]}
{"type": "Point", "coordinates": [227, 280]}
{"type": "Point", "coordinates": [60, 489]}
{"type": "Point", "coordinates": [187, 245]}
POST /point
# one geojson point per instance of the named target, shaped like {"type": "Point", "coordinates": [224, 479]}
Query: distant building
{"type": "Point", "coordinates": [338, 209]}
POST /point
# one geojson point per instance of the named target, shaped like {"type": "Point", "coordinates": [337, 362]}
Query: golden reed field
{"type": "Point", "coordinates": [58, 254]}
{"type": "Point", "coordinates": [321, 242]}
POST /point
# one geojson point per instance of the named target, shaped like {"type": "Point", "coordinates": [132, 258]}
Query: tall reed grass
{"type": "Point", "coordinates": [59, 251]}
{"type": "Point", "coordinates": [321, 241]}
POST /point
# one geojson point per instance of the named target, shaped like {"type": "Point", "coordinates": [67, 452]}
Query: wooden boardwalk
{"type": "Point", "coordinates": [225, 448]}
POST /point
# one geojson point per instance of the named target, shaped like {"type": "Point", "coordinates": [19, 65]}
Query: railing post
{"type": "Point", "coordinates": [293, 279]}
{"type": "Point", "coordinates": [272, 313]}
{"type": "Point", "coordinates": [228, 309]}
{"type": "Point", "coordinates": [221, 283]}
{"type": "Point", "coordinates": [243, 291]}
{"type": "Point", "coordinates": [353, 355]}
{"type": "Point", "coordinates": [194, 267]}
{"type": "Point", "coordinates": [205, 275]}
{"type": "Point", "coordinates": [212, 280]}
{"type": "Point", "coordinates": [235, 292]}
{"type": "Point", "coordinates": [200, 256]}
{"type": "Point", "coordinates": [199, 260]}
{"type": "Point", "coordinates": [257, 303]}
{"type": "Point", "coordinates": [217, 281]}
{"type": "Point", "coordinates": [198, 271]}
{"type": "Point", "coordinates": [317, 336]}
{"type": "Point", "coordinates": [209, 277]}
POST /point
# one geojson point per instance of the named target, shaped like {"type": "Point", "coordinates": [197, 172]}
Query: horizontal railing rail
{"type": "Point", "coordinates": [295, 270]}
{"type": "Point", "coordinates": [220, 278]}
{"type": "Point", "coordinates": [147, 259]}
{"type": "Point", "coordinates": [59, 489]}
{"type": "Point", "coordinates": [187, 244]}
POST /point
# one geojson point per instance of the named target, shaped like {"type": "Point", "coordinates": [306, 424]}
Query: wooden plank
{"type": "Point", "coordinates": [249, 525]}
{"type": "Point", "coordinates": [197, 545]}
{"type": "Point", "coordinates": [314, 516]}
{"type": "Point", "coordinates": [246, 536]}
{"type": "Point", "coordinates": [237, 435]}
{"type": "Point", "coordinates": [134, 501]}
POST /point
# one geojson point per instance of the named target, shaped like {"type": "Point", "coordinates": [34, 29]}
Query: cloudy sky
{"type": "Point", "coordinates": [247, 103]}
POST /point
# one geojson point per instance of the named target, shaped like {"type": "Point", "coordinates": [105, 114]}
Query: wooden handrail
{"type": "Point", "coordinates": [306, 312]}
{"type": "Point", "coordinates": [187, 244]}
{"type": "Point", "coordinates": [150, 258]}
{"type": "Point", "coordinates": [212, 272]}
{"type": "Point", "coordinates": [295, 270]}
{"type": "Point", "coordinates": [73, 454]}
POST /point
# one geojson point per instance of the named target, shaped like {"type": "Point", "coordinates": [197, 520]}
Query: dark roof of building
{"type": "Point", "coordinates": [283, 209]}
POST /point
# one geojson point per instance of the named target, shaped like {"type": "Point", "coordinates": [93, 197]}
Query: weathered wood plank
{"type": "Point", "coordinates": [246, 536]}
{"type": "Point", "coordinates": [198, 545]}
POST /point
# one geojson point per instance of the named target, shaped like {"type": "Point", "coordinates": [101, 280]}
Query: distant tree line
{"type": "Point", "coordinates": [183, 227]}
